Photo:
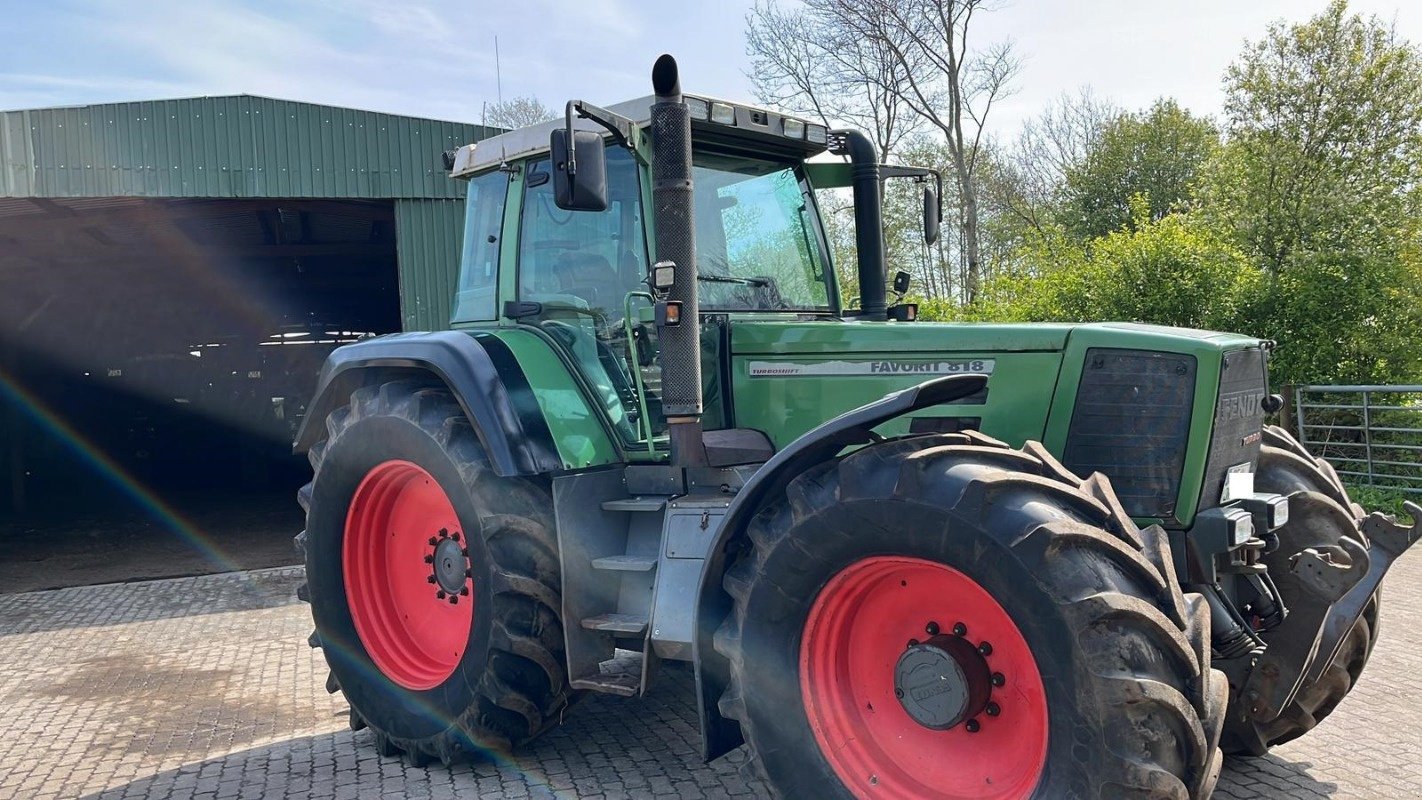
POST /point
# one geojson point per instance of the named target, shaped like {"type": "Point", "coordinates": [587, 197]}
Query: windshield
{"type": "Point", "coordinates": [757, 246]}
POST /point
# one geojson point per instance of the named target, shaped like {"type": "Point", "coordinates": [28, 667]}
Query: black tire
{"type": "Point", "coordinates": [1321, 513]}
{"type": "Point", "coordinates": [510, 684]}
{"type": "Point", "coordinates": [1134, 707]}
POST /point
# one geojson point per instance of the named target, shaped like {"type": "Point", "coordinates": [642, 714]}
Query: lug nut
{"type": "Point", "coordinates": [993, 709]}
{"type": "Point", "coordinates": [931, 629]}
{"type": "Point", "coordinates": [429, 559]}
{"type": "Point", "coordinates": [913, 643]}
{"type": "Point", "coordinates": [464, 552]}
{"type": "Point", "coordinates": [454, 536]}
{"type": "Point", "coordinates": [959, 629]}
{"type": "Point", "coordinates": [463, 591]}
{"type": "Point", "coordinates": [899, 693]}
{"type": "Point", "coordinates": [972, 726]}
{"type": "Point", "coordinates": [443, 532]}
{"type": "Point", "coordinates": [433, 541]}
{"type": "Point", "coordinates": [454, 600]}
{"type": "Point", "coordinates": [985, 649]}
{"type": "Point", "coordinates": [440, 594]}
{"type": "Point", "coordinates": [998, 679]}
{"type": "Point", "coordinates": [431, 579]}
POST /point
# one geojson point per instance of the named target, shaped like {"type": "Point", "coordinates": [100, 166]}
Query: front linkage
{"type": "Point", "coordinates": [1338, 582]}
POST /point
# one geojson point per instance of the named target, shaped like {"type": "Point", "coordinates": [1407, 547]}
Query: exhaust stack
{"type": "Point", "coordinates": [675, 225]}
{"type": "Point", "coordinates": [868, 223]}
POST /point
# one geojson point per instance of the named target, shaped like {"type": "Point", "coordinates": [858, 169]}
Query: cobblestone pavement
{"type": "Point", "coordinates": [204, 687]}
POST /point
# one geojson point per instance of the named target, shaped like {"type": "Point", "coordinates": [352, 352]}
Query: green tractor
{"type": "Point", "coordinates": [903, 560]}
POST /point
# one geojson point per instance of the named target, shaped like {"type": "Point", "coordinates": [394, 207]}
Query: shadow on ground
{"type": "Point", "coordinates": [608, 748]}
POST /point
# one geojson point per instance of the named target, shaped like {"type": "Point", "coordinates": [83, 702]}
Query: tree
{"type": "Point", "coordinates": [1324, 122]}
{"type": "Point", "coordinates": [1157, 155]}
{"type": "Point", "coordinates": [852, 58]}
{"type": "Point", "coordinates": [945, 81]}
{"type": "Point", "coordinates": [519, 112]}
{"type": "Point", "coordinates": [1033, 169]}
{"type": "Point", "coordinates": [800, 62]}
{"type": "Point", "coordinates": [1319, 182]}
{"type": "Point", "coordinates": [1170, 271]}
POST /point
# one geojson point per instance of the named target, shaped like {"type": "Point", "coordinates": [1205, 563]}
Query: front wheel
{"type": "Point", "coordinates": [943, 617]}
{"type": "Point", "coordinates": [433, 582]}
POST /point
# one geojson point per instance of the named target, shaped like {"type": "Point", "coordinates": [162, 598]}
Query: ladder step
{"type": "Point", "coordinates": [626, 563]}
{"type": "Point", "coordinates": [628, 624]}
{"type": "Point", "coordinates": [635, 504]}
{"type": "Point", "coordinates": [620, 675]}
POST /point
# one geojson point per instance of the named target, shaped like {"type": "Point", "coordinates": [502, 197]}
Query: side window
{"type": "Point", "coordinates": [479, 263]}
{"type": "Point", "coordinates": [580, 265]}
{"type": "Point", "coordinates": [581, 256]}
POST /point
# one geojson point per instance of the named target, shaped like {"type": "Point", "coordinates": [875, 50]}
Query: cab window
{"type": "Point", "coordinates": [479, 263]}
{"type": "Point", "coordinates": [580, 266]}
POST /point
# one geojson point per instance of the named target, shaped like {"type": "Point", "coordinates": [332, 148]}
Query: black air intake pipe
{"type": "Point", "coordinates": [868, 223]}
{"type": "Point", "coordinates": [674, 221]}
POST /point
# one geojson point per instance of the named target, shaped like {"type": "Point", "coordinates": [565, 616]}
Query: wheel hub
{"type": "Point", "coordinates": [451, 563]}
{"type": "Point", "coordinates": [942, 682]}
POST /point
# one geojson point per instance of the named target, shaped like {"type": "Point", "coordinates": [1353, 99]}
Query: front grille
{"type": "Point", "coordinates": [1132, 423]}
{"type": "Point", "coordinates": [1239, 420]}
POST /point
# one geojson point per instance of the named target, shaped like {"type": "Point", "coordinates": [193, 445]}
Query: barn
{"type": "Point", "coordinates": [172, 274]}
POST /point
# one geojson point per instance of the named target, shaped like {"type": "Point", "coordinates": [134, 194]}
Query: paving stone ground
{"type": "Point", "coordinates": [204, 687]}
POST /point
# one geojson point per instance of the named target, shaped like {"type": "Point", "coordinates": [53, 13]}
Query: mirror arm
{"type": "Point", "coordinates": [622, 129]}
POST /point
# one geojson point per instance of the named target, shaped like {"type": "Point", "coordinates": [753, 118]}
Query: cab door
{"type": "Point", "coordinates": [586, 270]}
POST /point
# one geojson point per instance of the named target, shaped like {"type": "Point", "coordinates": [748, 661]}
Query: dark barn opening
{"type": "Point", "coordinates": [172, 275]}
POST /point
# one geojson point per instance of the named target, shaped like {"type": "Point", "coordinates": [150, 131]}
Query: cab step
{"type": "Point", "coordinates": [635, 504]}
{"type": "Point", "coordinates": [620, 675]}
{"type": "Point", "coordinates": [626, 563]}
{"type": "Point", "coordinates": [620, 624]}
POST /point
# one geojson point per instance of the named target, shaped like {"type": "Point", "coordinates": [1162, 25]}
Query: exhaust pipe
{"type": "Point", "coordinates": [675, 225]}
{"type": "Point", "coordinates": [868, 224]}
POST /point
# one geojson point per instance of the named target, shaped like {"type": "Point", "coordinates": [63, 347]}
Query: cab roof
{"type": "Point", "coordinates": [762, 126]}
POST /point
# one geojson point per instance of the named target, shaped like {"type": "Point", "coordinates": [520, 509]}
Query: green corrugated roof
{"type": "Point", "coordinates": [237, 146]}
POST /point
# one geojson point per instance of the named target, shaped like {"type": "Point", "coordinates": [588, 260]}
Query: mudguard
{"type": "Point", "coordinates": [481, 372]}
{"type": "Point", "coordinates": [718, 734]}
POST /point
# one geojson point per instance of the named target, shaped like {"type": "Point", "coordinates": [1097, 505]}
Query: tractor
{"type": "Point", "coordinates": [901, 559]}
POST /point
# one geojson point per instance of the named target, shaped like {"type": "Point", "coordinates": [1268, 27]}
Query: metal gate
{"type": "Point", "coordinates": [1371, 434]}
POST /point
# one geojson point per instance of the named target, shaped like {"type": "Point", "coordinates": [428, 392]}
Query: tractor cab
{"type": "Point", "coordinates": [579, 267]}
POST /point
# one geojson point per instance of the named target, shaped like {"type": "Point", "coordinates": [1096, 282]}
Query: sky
{"type": "Point", "coordinates": [436, 58]}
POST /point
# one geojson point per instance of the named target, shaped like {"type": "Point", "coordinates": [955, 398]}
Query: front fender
{"type": "Point", "coordinates": [478, 369]}
{"type": "Point", "coordinates": [718, 734]}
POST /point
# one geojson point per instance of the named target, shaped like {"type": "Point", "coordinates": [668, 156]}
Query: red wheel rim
{"type": "Point", "coordinates": [859, 626]}
{"type": "Point", "coordinates": [413, 624]}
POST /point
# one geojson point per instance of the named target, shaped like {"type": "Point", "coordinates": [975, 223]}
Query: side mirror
{"type": "Point", "coordinates": [931, 217]}
{"type": "Point", "coordinates": [579, 171]}
{"type": "Point", "coordinates": [901, 282]}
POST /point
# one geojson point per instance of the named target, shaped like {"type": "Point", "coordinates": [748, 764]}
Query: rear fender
{"type": "Point", "coordinates": [478, 369]}
{"type": "Point", "coordinates": [718, 734]}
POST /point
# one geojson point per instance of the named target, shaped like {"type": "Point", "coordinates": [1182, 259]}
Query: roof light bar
{"type": "Point", "coordinates": [723, 113]}
{"type": "Point", "coordinates": [794, 128]}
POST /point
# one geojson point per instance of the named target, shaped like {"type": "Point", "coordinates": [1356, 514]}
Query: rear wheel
{"type": "Point", "coordinates": [432, 581]}
{"type": "Point", "coordinates": [1320, 514]}
{"type": "Point", "coordinates": [943, 617]}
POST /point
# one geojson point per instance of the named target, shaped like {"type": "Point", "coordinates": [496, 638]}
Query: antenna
{"type": "Point", "coordinates": [498, 73]}
{"type": "Point", "coordinates": [499, 90]}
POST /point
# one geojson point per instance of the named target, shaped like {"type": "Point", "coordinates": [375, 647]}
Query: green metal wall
{"type": "Point", "coordinates": [429, 235]}
{"type": "Point", "coordinates": [239, 146]}
{"type": "Point", "coordinates": [249, 147]}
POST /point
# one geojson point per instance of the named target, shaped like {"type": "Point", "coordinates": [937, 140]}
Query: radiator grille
{"type": "Point", "coordinates": [1132, 423]}
{"type": "Point", "coordinates": [1239, 420]}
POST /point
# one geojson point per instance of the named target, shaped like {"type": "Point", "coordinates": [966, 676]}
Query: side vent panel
{"type": "Point", "coordinates": [1132, 422]}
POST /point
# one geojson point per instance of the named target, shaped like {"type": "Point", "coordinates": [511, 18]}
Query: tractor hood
{"type": "Point", "coordinates": [849, 336]}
